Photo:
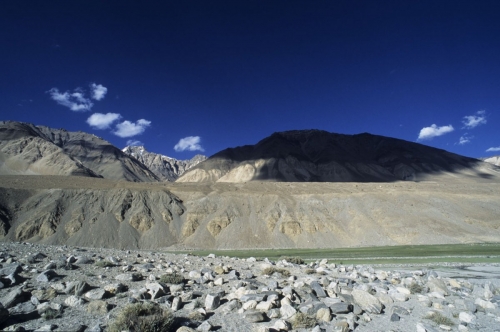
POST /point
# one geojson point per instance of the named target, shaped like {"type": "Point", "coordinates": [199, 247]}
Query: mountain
{"type": "Point", "coordinates": [26, 149]}
{"type": "Point", "coordinates": [495, 160]}
{"type": "Point", "coordinates": [356, 200]}
{"type": "Point", "coordinates": [320, 156]}
{"type": "Point", "coordinates": [95, 212]}
{"type": "Point", "coordinates": [165, 168]}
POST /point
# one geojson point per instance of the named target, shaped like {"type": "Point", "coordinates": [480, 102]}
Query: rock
{"type": "Point", "coordinates": [46, 276]}
{"type": "Point", "coordinates": [437, 285]}
{"type": "Point", "coordinates": [74, 301]}
{"type": "Point", "coordinates": [282, 325]}
{"type": "Point", "coordinates": [155, 289]}
{"type": "Point", "coordinates": [395, 318]}
{"type": "Point", "coordinates": [454, 284]}
{"type": "Point", "coordinates": [466, 317]}
{"type": "Point", "coordinates": [249, 305]}
{"type": "Point", "coordinates": [115, 288]}
{"type": "Point", "coordinates": [421, 328]}
{"type": "Point", "coordinates": [95, 328]}
{"type": "Point", "coordinates": [255, 297]}
{"type": "Point", "coordinates": [185, 329]}
{"type": "Point", "coordinates": [400, 311]}
{"type": "Point", "coordinates": [205, 326]}
{"type": "Point", "coordinates": [14, 297]}
{"type": "Point", "coordinates": [194, 275]}
{"type": "Point", "coordinates": [95, 294]}
{"type": "Point", "coordinates": [98, 307]}
{"type": "Point", "coordinates": [465, 305]}
{"type": "Point", "coordinates": [10, 269]}
{"type": "Point", "coordinates": [24, 308]}
{"type": "Point", "coordinates": [44, 294]}
{"type": "Point", "coordinates": [83, 260]}
{"type": "Point", "coordinates": [176, 303]}
{"type": "Point", "coordinates": [341, 326]}
{"type": "Point", "coordinates": [367, 302]}
{"type": "Point", "coordinates": [316, 287]}
{"type": "Point", "coordinates": [485, 304]}
{"type": "Point", "coordinates": [219, 270]}
{"type": "Point", "coordinates": [324, 314]}
{"type": "Point", "coordinates": [212, 301]}
{"type": "Point", "coordinates": [46, 328]}
{"type": "Point", "coordinates": [76, 287]}
{"type": "Point", "coordinates": [129, 277]}
{"type": "Point", "coordinates": [254, 316]}
{"type": "Point", "coordinates": [385, 299]}
{"type": "Point", "coordinates": [287, 311]}
{"type": "Point", "coordinates": [264, 306]}
{"type": "Point", "coordinates": [340, 308]}
{"type": "Point", "coordinates": [175, 288]}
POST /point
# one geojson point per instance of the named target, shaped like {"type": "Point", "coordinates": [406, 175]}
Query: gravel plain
{"type": "Point", "coordinates": [63, 288]}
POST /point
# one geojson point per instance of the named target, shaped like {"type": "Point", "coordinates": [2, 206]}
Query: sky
{"type": "Point", "coordinates": [189, 77]}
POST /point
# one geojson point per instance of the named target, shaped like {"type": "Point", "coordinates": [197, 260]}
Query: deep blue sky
{"type": "Point", "coordinates": [234, 72]}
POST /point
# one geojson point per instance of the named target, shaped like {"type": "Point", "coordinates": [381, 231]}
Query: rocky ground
{"type": "Point", "coordinates": [61, 288]}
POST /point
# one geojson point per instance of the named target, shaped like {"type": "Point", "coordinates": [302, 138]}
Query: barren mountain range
{"type": "Point", "coordinates": [320, 156]}
{"type": "Point", "coordinates": [260, 196]}
{"type": "Point", "coordinates": [165, 168]}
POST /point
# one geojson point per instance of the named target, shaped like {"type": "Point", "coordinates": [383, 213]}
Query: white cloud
{"type": "Point", "coordinates": [102, 121]}
{"type": "Point", "coordinates": [493, 149]}
{"type": "Point", "coordinates": [464, 139]}
{"type": "Point", "coordinates": [472, 121]}
{"type": "Point", "coordinates": [434, 131]}
{"type": "Point", "coordinates": [75, 101]}
{"type": "Point", "coordinates": [190, 143]}
{"type": "Point", "coordinates": [129, 129]}
{"type": "Point", "coordinates": [132, 142]}
{"type": "Point", "coordinates": [98, 91]}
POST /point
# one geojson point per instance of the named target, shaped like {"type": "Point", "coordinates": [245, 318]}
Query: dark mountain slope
{"type": "Point", "coordinates": [320, 156]}
{"type": "Point", "coordinates": [38, 150]}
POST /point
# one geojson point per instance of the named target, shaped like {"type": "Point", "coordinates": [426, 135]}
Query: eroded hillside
{"type": "Point", "coordinates": [252, 215]}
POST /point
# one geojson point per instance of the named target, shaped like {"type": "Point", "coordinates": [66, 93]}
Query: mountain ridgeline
{"type": "Point", "coordinates": [165, 168]}
{"type": "Point", "coordinates": [26, 149]}
{"type": "Point", "coordinates": [320, 156]}
{"type": "Point", "coordinates": [295, 189]}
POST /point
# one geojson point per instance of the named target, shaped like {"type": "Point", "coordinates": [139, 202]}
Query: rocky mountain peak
{"type": "Point", "coordinates": [28, 149]}
{"type": "Point", "coordinates": [320, 156]}
{"type": "Point", "coordinates": [164, 167]}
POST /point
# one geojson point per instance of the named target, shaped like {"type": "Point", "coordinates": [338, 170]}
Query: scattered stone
{"type": "Point", "coordinates": [366, 301]}
{"type": "Point", "coordinates": [74, 301]}
{"type": "Point", "coordinates": [212, 301]}
{"type": "Point", "coordinates": [336, 298]}
{"type": "Point", "coordinates": [395, 318]}
{"type": "Point", "coordinates": [98, 307]}
{"type": "Point", "coordinates": [155, 290]}
{"type": "Point", "coordinates": [129, 277]}
{"type": "Point", "coordinates": [44, 294]}
{"type": "Point", "coordinates": [254, 316]}
{"type": "Point", "coordinates": [95, 294]}
{"type": "Point", "coordinates": [14, 297]}
{"type": "Point", "coordinates": [46, 276]}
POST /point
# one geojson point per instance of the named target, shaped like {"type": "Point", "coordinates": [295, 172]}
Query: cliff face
{"type": "Point", "coordinates": [38, 150]}
{"type": "Point", "coordinates": [165, 168]}
{"type": "Point", "coordinates": [319, 156]}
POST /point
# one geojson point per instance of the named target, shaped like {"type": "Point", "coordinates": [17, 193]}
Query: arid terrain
{"type": "Point", "coordinates": [294, 189]}
{"type": "Point", "coordinates": [99, 212]}
{"type": "Point", "coordinates": [65, 288]}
